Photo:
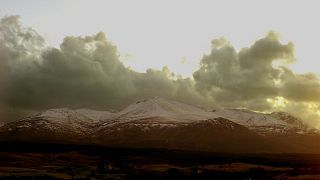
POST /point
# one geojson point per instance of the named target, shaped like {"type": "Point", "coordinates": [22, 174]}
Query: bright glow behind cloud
{"type": "Point", "coordinates": [158, 33]}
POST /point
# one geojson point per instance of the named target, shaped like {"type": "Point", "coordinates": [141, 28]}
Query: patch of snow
{"type": "Point", "coordinates": [249, 118]}
{"type": "Point", "coordinates": [278, 122]}
{"type": "Point", "coordinates": [168, 110]}
{"type": "Point", "coordinates": [61, 113]}
{"type": "Point", "coordinates": [80, 115]}
{"type": "Point", "coordinates": [289, 119]}
{"type": "Point", "coordinates": [159, 113]}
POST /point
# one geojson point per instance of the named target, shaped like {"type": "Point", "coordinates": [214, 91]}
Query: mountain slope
{"type": "Point", "coordinates": [218, 135]}
{"type": "Point", "coordinates": [55, 125]}
{"type": "Point", "coordinates": [159, 107]}
{"type": "Point", "coordinates": [161, 123]}
{"type": "Point", "coordinates": [276, 122]}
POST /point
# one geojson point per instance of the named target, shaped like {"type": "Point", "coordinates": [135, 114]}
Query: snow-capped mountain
{"type": "Point", "coordinates": [162, 123]}
{"type": "Point", "coordinates": [276, 122]}
{"type": "Point", "coordinates": [154, 113]}
{"type": "Point", "coordinates": [56, 125]}
{"type": "Point", "coordinates": [78, 117]}
{"type": "Point", "coordinates": [159, 111]}
{"type": "Point", "coordinates": [289, 119]}
{"type": "Point", "coordinates": [168, 110]}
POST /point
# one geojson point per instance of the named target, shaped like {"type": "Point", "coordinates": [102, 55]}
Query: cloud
{"type": "Point", "coordinates": [301, 87]}
{"type": "Point", "coordinates": [249, 74]}
{"type": "Point", "coordinates": [86, 72]}
{"type": "Point", "coordinates": [257, 77]}
{"type": "Point", "coordinates": [83, 72]}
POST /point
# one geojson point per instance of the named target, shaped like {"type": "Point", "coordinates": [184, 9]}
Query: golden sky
{"type": "Point", "coordinates": [153, 34]}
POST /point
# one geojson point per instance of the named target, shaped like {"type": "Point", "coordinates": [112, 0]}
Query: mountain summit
{"type": "Point", "coordinates": [168, 110]}
{"type": "Point", "coordinates": [162, 123]}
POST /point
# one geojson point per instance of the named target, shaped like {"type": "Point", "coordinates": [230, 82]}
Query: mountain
{"type": "Point", "coordinates": [56, 125]}
{"type": "Point", "coordinates": [169, 110]}
{"type": "Point", "coordinates": [273, 123]}
{"type": "Point", "coordinates": [161, 123]}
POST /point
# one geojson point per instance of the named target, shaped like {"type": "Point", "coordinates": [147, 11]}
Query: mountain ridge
{"type": "Point", "coordinates": [161, 123]}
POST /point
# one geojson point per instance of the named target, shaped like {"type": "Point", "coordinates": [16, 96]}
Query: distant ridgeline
{"type": "Point", "coordinates": [160, 123]}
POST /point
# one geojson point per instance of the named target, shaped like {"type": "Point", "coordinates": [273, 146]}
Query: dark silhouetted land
{"type": "Point", "coordinates": [61, 161]}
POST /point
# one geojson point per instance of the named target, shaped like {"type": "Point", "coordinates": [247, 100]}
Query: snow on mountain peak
{"type": "Point", "coordinates": [249, 118]}
{"type": "Point", "coordinates": [160, 107]}
{"type": "Point", "coordinates": [80, 114]}
{"type": "Point", "coordinates": [263, 122]}
{"type": "Point", "coordinates": [288, 118]}
{"type": "Point", "coordinates": [159, 111]}
{"type": "Point", "coordinates": [61, 113]}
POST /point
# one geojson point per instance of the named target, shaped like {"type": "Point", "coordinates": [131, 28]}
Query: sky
{"type": "Point", "coordinates": [107, 54]}
{"type": "Point", "coordinates": [179, 32]}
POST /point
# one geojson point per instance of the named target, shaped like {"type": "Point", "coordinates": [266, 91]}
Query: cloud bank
{"type": "Point", "coordinates": [83, 72]}
{"type": "Point", "coordinates": [259, 78]}
{"type": "Point", "coordinates": [86, 72]}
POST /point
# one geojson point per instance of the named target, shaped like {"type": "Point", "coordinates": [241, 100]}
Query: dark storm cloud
{"type": "Point", "coordinates": [251, 74]}
{"type": "Point", "coordinates": [248, 74]}
{"type": "Point", "coordinates": [301, 87]}
{"type": "Point", "coordinates": [249, 77]}
{"type": "Point", "coordinates": [86, 72]}
{"type": "Point", "coordinates": [83, 72]}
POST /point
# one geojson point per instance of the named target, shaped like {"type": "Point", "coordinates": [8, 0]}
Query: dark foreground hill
{"type": "Point", "coordinates": [58, 161]}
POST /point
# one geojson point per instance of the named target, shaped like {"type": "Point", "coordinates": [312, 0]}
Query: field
{"type": "Point", "coordinates": [49, 161]}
